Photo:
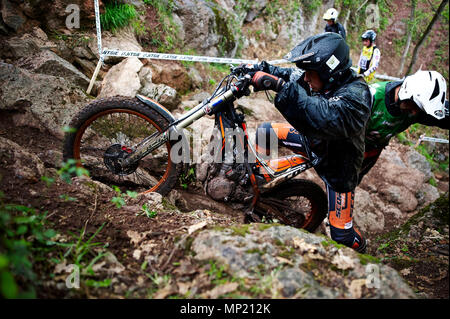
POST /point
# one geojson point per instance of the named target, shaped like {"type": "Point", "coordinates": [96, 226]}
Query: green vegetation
{"type": "Point", "coordinates": [165, 36]}
{"type": "Point", "coordinates": [217, 274]}
{"type": "Point", "coordinates": [69, 169]}
{"type": "Point", "coordinates": [119, 200]}
{"type": "Point", "coordinates": [240, 230]}
{"type": "Point", "coordinates": [353, 15]}
{"type": "Point", "coordinates": [187, 178]}
{"type": "Point", "coordinates": [145, 210]}
{"type": "Point", "coordinates": [24, 241]}
{"type": "Point", "coordinates": [81, 252]}
{"type": "Point", "coordinates": [388, 242]}
{"type": "Point", "coordinates": [310, 7]}
{"type": "Point", "coordinates": [366, 259]}
{"type": "Point", "coordinates": [117, 15]}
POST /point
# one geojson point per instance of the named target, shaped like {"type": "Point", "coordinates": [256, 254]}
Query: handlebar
{"type": "Point", "coordinates": [241, 86]}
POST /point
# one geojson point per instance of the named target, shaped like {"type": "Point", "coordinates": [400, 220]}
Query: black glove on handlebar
{"type": "Point", "coordinates": [265, 81]}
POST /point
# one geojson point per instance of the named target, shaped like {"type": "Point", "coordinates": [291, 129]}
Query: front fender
{"type": "Point", "coordinates": [156, 107]}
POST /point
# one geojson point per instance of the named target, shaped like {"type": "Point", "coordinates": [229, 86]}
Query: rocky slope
{"type": "Point", "coordinates": [187, 245]}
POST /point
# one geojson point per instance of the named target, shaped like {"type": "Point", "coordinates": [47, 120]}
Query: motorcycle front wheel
{"type": "Point", "coordinates": [106, 130]}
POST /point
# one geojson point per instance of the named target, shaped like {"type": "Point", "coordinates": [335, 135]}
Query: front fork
{"type": "Point", "coordinates": [152, 142]}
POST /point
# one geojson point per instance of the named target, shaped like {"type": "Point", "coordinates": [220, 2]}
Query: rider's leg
{"type": "Point", "coordinates": [340, 205]}
{"type": "Point", "coordinates": [286, 135]}
{"type": "Point", "coordinates": [340, 211]}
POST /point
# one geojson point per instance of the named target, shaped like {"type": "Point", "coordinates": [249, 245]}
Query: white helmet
{"type": "Point", "coordinates": [428, 90]}
{"type": "Point", "coordinates": [331, 14]}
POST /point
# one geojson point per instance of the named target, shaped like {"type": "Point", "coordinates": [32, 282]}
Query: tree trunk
{"type": "Point", "coordinates": [408, 40]}
{"type": "Point", "coordinates": [425, 34]}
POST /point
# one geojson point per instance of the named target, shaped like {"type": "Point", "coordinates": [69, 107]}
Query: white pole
{"type": "Point", "coordinates": [94, 76]}
{"type": "Point", "coordinates": [99, 45]}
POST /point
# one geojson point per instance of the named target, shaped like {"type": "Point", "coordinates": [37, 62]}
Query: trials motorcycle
{"type": "Point", "coordinates": [137, 144]}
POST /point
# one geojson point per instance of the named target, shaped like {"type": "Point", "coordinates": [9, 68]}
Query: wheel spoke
{"type": "Point", "coordinates": [110, 134]}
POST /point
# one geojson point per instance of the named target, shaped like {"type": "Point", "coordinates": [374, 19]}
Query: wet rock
{"type": "Point", "coordinates": [83, 53]}
{"type": "Point", "coordinates": [18, 47]}
{"type": "Point", "coordinates": [259, 110]}
{"type": "Point", "coordinates": [88, 67]}
{"type": "Point", "coordinates": [295, 282]}
{"type": "Point", "coordinates": [195, 77]}
{"type": "Point", "coordinates": [399, 195]}
{"type": "Point", "coordinates": [368, 213]}
{"type": "Point", "coordinates": [255, 9]}
{"type": "Point", "coordinates": [200, 97]}
{"type": "Point", "coordinates": [199, 20]}
{"type": "Point", "coordinates": [87, 187]}
{"type": "Point", "coordinates": [170, 73]}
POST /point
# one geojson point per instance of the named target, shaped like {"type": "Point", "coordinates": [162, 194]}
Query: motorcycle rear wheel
{"type": "Point", "coordinates": [302, 204]}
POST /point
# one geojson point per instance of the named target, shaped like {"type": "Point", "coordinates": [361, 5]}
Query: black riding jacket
{"type": "Point", "coordinates": [336, 28]}
{"type": "Point", "coordinates": [333, 123]}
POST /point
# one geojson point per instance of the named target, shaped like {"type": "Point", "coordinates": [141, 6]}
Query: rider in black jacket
{"type": "Point", "coordinates": [329, 106]}
{"type": "Point", "coordinates": [330, 17]}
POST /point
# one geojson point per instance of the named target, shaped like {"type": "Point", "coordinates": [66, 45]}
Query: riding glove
{"type": "Point", "coordinates": [264, 81]}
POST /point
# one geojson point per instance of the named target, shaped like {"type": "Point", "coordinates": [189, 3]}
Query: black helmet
{"type": "Point", "coordinates": [326, 53]}
{"type": "Point", "coordinates": [369, 34]}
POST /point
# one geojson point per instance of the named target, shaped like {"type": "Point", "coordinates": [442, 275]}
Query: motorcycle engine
{"type": "Point", "coordinates": [224, 182]}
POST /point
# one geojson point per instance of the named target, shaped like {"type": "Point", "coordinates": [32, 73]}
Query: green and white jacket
{"type": "Point", "coordinates": [386, 120]}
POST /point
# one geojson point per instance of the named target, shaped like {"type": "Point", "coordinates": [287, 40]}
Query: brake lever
{"type": "Point", "coordinates": [241, 87]}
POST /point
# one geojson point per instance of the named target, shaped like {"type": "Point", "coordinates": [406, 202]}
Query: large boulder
{"type": "Point", "coordinates": [122, 79]}
{"type": "Point", "coordinates": [162, 93]}
{"type": "Point", "coordinates": [259, 110]}
{"type": "Point", "coordinates": [205, 27]}
{"type": "Point", "coordinates": [416, 160]}
{"type": "Point", "coordinates": [395, 188]}
{"type": "Point", "coordinates": [298, 264]}
{"type": "Point", "coordinates": [52, 14]}
{"type": "Point", "coordinates": [48, 62]}
{"type": "Point", "coordinates": [170, 73]}
{"type": "Point", "coordinates": [48, 102]}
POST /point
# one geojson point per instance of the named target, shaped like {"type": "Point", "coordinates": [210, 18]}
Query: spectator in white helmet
{"type": "Point", "coordinates": [332, 25]}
